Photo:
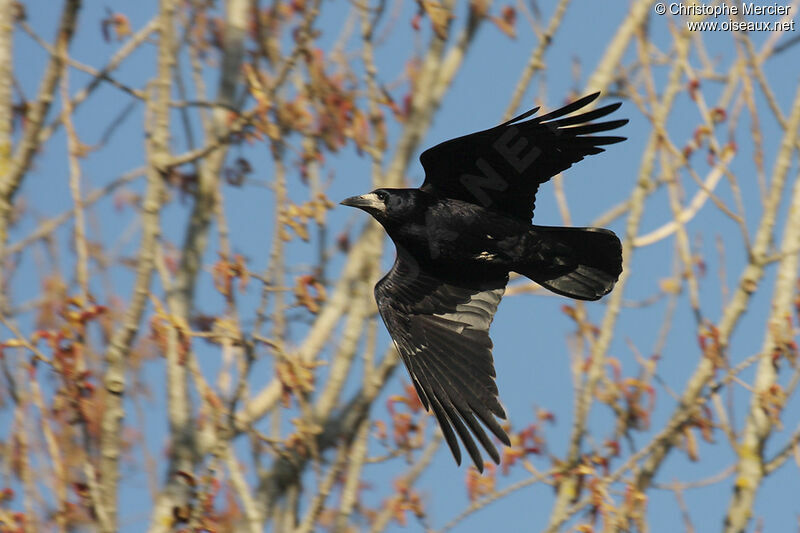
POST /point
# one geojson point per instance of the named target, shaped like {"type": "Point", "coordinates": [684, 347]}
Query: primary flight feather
{"type": "Point", "coordinates": [460, 234]}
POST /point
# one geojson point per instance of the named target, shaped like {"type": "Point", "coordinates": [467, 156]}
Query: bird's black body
{"type": "Point", "coordinates": [458, 237]}
{"type": "Point", "coordinates": [448, 236]}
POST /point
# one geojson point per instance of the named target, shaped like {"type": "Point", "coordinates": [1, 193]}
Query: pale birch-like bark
{"type": "Point", "coordinates": [20, 161]}
{"type": "Point", "coordinates": [751, 466]}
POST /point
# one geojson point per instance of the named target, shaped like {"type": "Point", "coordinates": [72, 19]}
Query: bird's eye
{"type": "Point", "coordinates": [381, 196]}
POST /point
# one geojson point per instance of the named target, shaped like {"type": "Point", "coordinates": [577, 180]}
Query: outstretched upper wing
{"type": "Point", "coordinates": [442, 334]}
{"type": "Point", "coordinates": [501, 168]}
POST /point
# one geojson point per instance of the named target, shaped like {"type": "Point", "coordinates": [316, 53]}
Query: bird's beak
{"type": "Point", "coordinates": [365, 201]}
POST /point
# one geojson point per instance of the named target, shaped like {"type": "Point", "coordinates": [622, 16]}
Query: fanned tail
{"type": "Point", "coordinates": [582, 263]}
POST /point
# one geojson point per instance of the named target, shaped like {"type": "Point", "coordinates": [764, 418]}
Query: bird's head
{"type": "Point", "coordinates": [386, 205]}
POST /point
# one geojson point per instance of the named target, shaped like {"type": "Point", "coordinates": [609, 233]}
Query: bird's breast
{"type": "Point", "coordinates": [462, 239]}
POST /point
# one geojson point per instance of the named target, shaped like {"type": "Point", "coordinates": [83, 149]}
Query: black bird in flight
{"type": "Point", "coordinates": [458, 237]}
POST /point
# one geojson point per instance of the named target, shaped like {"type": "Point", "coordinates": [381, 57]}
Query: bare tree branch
{"type": "Point", "coordinates": [18, 166]}
{"type": "Point", "coordinates": [760, 420]}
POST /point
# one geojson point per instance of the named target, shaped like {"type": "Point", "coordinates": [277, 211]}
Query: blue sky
{"type": "Point", "coordinates": [530, 333]}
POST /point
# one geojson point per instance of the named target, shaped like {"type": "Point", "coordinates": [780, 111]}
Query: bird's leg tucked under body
{"type": "Point", "coordinates": [460, 234]}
